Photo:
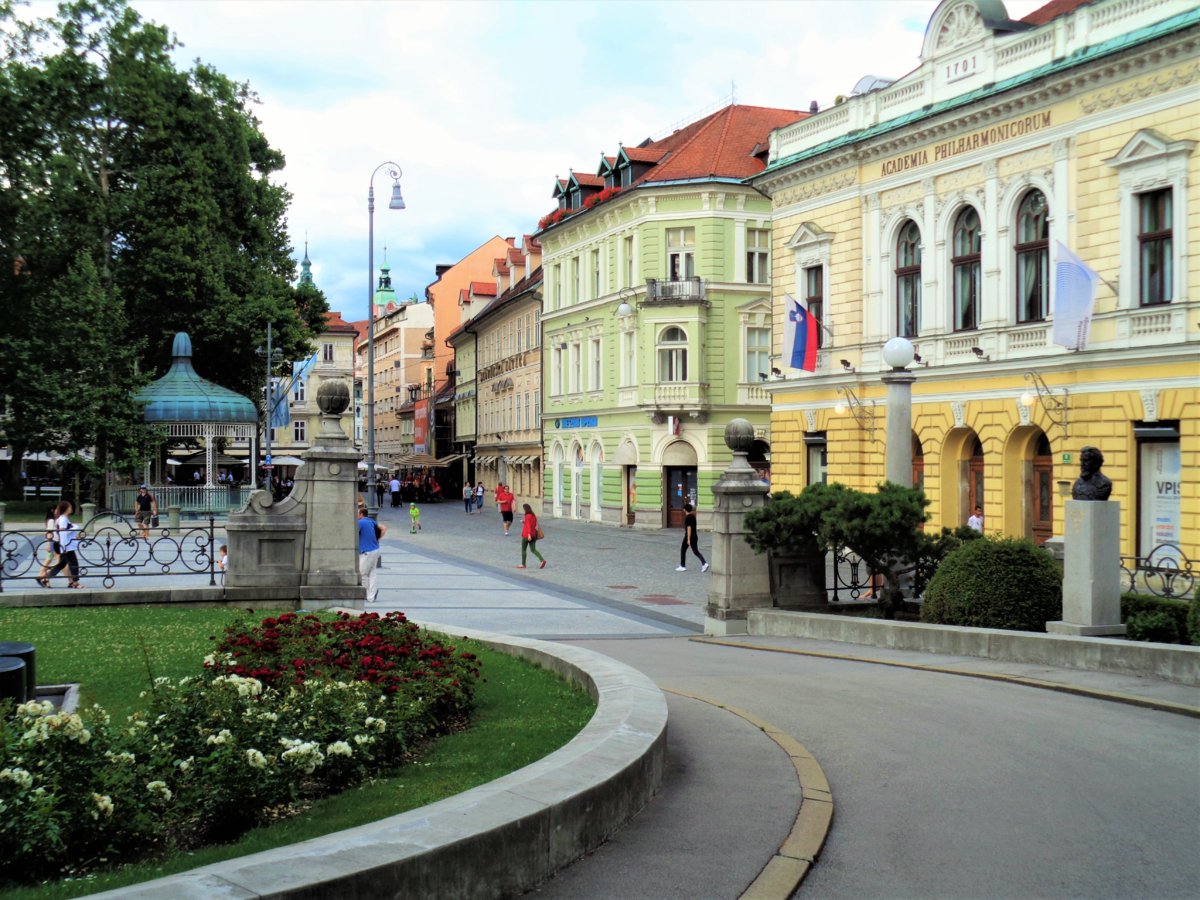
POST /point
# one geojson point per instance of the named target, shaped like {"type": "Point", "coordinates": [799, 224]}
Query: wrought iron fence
{"type": "Point", "coordinates": [1164, 572]}
{"type": "Point", "coordinates": [112, 546]}
{"type": "Point", "coordinates": [848, 577]}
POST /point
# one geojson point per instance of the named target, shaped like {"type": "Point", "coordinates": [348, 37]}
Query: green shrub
{"type": "Point", "coordinates": [995, 583]}
{"type": "Point", "coordinates": [1140, 606]}
{"type": "Point", "coordinates": [1152, 626]}
{"type": "Point", "coordinates": [1193, 619]}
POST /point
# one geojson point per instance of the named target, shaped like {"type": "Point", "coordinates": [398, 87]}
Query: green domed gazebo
{"type": "Point", "coordinates": [193, 407]}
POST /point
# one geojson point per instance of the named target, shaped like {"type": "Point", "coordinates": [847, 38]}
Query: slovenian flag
{"type": "Point", "coordinates": [799, 336]}
{"type": "Point", "coordinates": [1074, 300]}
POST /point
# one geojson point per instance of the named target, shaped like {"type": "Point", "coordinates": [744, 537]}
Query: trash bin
{"type": "Point", "coordinates": [12, 679]}
{"type": "Point", "coordinates": [25, 652]}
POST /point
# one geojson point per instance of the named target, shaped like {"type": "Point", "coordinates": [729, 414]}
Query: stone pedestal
{"type": "Point", "coordinates": [308, 542]}
{"type": "Point", "coordinates": [739, 578]}
{"type": "Point", "coordinates": [1091, 570]}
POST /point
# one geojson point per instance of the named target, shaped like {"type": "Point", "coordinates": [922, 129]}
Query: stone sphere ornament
{"type": "Point", "coordinates": [333, 397]}
{"type": "Point", "coordinates": [739, 435]}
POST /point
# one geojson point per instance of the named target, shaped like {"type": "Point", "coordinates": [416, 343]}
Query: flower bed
{"type": "Point", "coordinates": [285, 711]}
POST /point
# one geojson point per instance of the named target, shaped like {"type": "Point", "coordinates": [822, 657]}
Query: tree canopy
{"type": "Point", "coordinates": [136, 200]}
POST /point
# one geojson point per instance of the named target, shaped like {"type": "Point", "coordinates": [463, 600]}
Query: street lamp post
{"type": "Point", "coordinates": [272, 356]}
{"type": "Point", "coordinates": [397, 202]}
{"type": "Point", "coordinates": [898, 353]}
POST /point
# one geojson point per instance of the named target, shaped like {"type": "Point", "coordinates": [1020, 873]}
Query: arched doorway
{"type": "Point", "coordinates": [918, 463]}
{"type": "Point", "coordinates": [679, 481]}
{"type": "Point", "coordinates": [576, 480]}
{"type": "Point", "coordinates": [975, 476]}
{"type": "Point", "coordinates": [1043, 491]}
{"type": "Point", "coordinates": [627, 457]}
{"type": "Point", "coordinates": [759, 458]}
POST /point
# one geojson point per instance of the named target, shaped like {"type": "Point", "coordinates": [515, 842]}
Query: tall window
{"type": "Point", "coordinates": [527, 422]}
{"type": "Point", "coordinates": [556, 373]}
{"type": "Point", "coordinates": [672, 355]}
{"type": "Point", "coordinates": [628, 358]}
{"type": "Point", "coordinates": [626, 176]}
{"type": "Point", "coordinates": [966, 270]}
{"type": "Point", "coordinates": [1033, 258]}
{"type": "Point", "coordinates": [576, 269]}
{"type": "Point", "coordinates": [537, 328]}
{"type": "Point", "coordinates": [681, 253]}
{"type": "Point", "coordinates": [576, 367]}
{"type": "Point", "coordinates": [596, 362]}
{"type": "Point", "coordinates": [558, 283]}
{"type": "Point", "coordinates": [814, 298]}
{"type": "Point", "coordinates": [629, 266]}
{"type": "Point", "coordinates": [327, 352]}
{"type": "Point", "coordinates": [908, 280]}
{"type": "Point", "coordinates": [298, 431]}
{"type": "Point", "coordinates": [595, 273]}
{"type": "Point", "coordinates": [758, 352]}
{"type": "Point", "coordinates": [299, 392]}
{"type": "Point", "coordinates": [758, 256]}
{"type": "Point", "coordinates": [1154, 247]}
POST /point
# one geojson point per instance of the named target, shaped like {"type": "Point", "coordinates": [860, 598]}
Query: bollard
{"type": "Point", "coordinates": [173, 517]}
{"type": "Point", "coordinates": [1, 516]}
{"type": "Point", "coordinates": [27, 653]}
{"type": "Point", "coordinates": [12, 679]}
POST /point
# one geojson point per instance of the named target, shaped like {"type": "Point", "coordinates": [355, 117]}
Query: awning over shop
{"type": "Point", "coordinates": [424, 460]}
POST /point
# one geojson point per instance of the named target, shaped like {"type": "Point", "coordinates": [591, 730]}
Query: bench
{"type": "Point", "coordinates": [38, 491]}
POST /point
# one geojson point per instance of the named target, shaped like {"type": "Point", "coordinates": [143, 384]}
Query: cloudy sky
{"type": "Point", "coordinates": [483, 103]}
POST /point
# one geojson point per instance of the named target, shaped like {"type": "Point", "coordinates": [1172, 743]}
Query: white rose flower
{"type": "Point", "coordinates": [256, 759]}
{"type": "Point", "coordinates": [339, 748]}
{"type": "Point", "coordinates": [20, 777]}
{"type": "Point", "coordinates": [159, 789]}
{"type": "Point", "coordinates": [104, 805]}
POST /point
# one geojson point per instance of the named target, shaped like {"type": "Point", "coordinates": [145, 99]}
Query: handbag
{"type": "Point", "coordinates": [154, 521]}
{"type": "Point", "coordinates": [540, 534]}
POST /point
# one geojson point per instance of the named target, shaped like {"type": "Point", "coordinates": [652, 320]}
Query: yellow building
{"type": "Point", "coordinates": [934, 207]}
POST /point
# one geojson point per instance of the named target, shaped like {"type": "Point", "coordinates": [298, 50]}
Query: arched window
{"type": "Point", "coordinates": [965, 263]}
{"type": "Point", "coordinates": [908, 280]}
{"type": "Point", "coordinates": [1033, 258]}
{"type": "Point", "coordinates": [672, 355]}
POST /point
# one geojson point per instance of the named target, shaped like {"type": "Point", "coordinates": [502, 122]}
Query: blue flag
{"type": "Point", "coordinates": [1074, 299]}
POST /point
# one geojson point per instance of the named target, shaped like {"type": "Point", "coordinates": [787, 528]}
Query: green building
{"type": "Point", "coordinates": [656, 321]}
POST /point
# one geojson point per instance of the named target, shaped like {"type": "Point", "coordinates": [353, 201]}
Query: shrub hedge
{"type": "Point", "coordinates": [995, 583]}
{"type": "Point", "coordinates": [1155, 618]}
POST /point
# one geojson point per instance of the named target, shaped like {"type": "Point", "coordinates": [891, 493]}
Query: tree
{"type": "Point", "coordinates": [146, 194]}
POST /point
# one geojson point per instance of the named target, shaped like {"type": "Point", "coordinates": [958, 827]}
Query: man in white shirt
{"type": "Point", "coordinates": [976, 521]}
{"type": "Point", "coordinates": [394, 487]}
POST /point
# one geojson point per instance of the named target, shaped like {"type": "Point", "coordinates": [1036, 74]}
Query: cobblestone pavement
{"type": "Point", "coordinates": [628, 575]}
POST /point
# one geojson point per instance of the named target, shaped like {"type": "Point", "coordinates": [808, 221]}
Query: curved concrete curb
{"type": "Point", "coordinates": [782, 875]}
{"type": "Point", "coordinates": [496, 840]}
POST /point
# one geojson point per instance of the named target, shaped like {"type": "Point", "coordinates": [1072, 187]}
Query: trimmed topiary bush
{"type": "Point", "coordinates": [1139, 606]}
{"type": "Point", "coordinates": [995, 583]}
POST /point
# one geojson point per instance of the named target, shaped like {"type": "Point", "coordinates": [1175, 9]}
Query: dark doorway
{"type": "Point", "coordinates": [1043, 497]}
{"type": "Point", "coordinates": [680, 485]}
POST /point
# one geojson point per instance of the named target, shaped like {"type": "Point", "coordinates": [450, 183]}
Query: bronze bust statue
{"type": "Point", "coordinates": [1092, 484]}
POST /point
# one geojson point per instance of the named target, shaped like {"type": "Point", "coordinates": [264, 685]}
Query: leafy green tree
{"type": "Point", "coordinates": [146, 193]}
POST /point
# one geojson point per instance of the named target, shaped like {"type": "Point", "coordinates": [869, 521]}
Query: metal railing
{"type": "Point", "coordinates": [848, 577]}
{"type": "Point", "coordinates": [1164, 572]}
{"type": "Point", "coordinates": [111, 546]}
{"type": "Point", "coordinates": [190, 498]}
{"type": "Point", "coordinates": [688, 290]}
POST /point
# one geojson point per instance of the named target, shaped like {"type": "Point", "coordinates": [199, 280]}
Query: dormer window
{"type": "Point", "coordinates": [562, 201]}
{"type": "Point", "coordinates": [626, 176]}
{"type": "Point", "coordinates": [576, 199]}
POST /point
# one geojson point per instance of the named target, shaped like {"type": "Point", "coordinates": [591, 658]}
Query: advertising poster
{"type": "Point", "coordinates": [1159, 468]}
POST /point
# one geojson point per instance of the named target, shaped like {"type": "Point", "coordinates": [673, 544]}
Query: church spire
{"type": "Point", "coordinates": [385, 293]}
{"type": "Point", "coordinates": [306, 266]}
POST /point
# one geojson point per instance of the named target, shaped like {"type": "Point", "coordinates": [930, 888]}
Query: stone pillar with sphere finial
{"type": "Point", "coordinates": [740, 579]}
{"type": "Point", "coordinates": [305, 547]}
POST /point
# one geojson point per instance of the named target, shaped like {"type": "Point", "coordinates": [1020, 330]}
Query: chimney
{"type": "Point", "coordinates": [813, 108]}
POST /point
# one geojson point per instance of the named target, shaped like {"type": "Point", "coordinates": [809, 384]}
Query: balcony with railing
{"type": "Point", "coordinates": [686, 292]}
{"type": "Point", "coordinates": [674, 397]}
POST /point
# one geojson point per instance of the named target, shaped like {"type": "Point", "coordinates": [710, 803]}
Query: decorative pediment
{"type": "Point", "coordinates": [962, 24]}
{"type": "Point", "coordinates": [1147, 145]}
{"type": "Point", "coordinates": [757, 305]}
{"type": "Point", "coordinates": [808, 234]}
{"type": "Point", "coordinates": [958, 23]}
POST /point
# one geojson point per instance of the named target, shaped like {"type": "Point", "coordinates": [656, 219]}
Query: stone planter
{"type": "Point", "coordinates": [797, 580]}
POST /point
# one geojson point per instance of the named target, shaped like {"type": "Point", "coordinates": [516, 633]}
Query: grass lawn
{"type": "Point", "coordinates": [522, 714]}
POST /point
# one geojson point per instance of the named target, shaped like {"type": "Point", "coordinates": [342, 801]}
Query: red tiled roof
{"type": "Point", "coordinates": [588, 180]}
{"type": "Point", "coordinates": [464, 296]}
{"type": "Point", "coordinates": [643, 154]}
{"type": "Point", "coordinates": [720, 144]}
{"type": "Point", "coordinates": [500, 266]}
{"type": "Point", "coordinates": [483, 288]}
{"type": "Point", "coordinates": [516, 256]}
{"type": "Point", "coordinates": [335, 323]}
{"type": "Point", "coordinates": [1053, 10]}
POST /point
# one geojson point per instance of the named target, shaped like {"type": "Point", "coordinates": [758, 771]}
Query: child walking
{"type": "Point", "coordinates": [414, 513]}
{"type": "Point", "coordinates": [529, 537]}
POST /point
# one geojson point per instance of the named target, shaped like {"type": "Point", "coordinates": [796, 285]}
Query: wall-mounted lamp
{"type": "Point", "coordinates": [864, 413]}
{"type": "Point", "coordinates": [1053, 403]}
{"type": "Point", "coordinates": [623, 311]}
{"type": "Point", "coordinates": [979, 354]}
{"type": "Point", "coordinates": [846, 365]}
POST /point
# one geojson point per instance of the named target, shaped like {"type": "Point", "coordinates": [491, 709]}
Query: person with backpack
{"type": "Point", "coordinates": [530, 535]}
{"type": "Point", "coordinates": [369, 534]}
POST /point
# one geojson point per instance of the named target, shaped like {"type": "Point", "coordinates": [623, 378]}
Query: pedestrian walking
{"type": "Point", "coordinates": [52, 548]}
{"type": "Point", "coordinates": [530, 535]}
{"type": "Point", "coordinates": [690, 540]}
{"type": "Point", "coordinates": [479, 491]}
{"type": "Point", "coordinates": [504, 501]}
{"type": "Point", "coordinates": [68, 542]}
{"type": "Point", "coordinates": [394, 487]}
{"type": "Point", "coordinates": [145, 510]}
{"type": "Point", "coordinates": [468, 496]}
{"type": "Point", "coordinates": [414, 513]}
{"type": "Point", "coordinates": [369, 534]}
{"type": "Point", "coordinates": [380, 490]}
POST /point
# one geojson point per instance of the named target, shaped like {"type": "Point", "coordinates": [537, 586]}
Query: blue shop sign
{"type": "Point", "coordinates": [577, 422]}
